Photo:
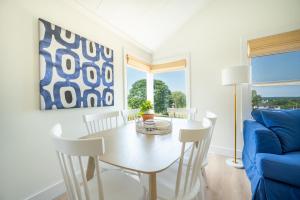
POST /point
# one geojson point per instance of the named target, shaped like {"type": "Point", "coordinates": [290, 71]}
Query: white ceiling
{"type": "Point", "coordinates": [148, 22]}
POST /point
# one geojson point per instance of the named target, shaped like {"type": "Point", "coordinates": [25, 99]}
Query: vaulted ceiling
{"type": "Point", "coordinates": [147, 22]}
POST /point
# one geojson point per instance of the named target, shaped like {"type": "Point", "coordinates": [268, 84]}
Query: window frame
{"type": "Point", "coordinates": [124, 75]}
{"type": "Point", "coordinates": [271, 83]}
{"type": "Point", "coordinates": [272, 44]}
{"type": "Point", "coordinates": [150, 78]}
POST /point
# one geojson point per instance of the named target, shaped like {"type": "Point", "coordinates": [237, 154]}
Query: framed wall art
{"type": "Point", "coordinates": [74, 71]}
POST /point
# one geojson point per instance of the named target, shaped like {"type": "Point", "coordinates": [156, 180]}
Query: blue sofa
{"type": "Point", "coordinates": [271, 154]}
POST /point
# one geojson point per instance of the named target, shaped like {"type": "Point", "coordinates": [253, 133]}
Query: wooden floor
{"type": "Point", "coordinates": [224, 182]}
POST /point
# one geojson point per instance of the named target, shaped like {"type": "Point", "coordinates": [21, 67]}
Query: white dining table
{"type": "Point", "coordinates": [143, 153]}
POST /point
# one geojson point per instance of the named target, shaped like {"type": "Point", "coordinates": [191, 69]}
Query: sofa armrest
{"type": "Point", "coordinates": [259, 139]}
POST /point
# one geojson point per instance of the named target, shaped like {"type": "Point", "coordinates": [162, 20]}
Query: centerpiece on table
{"type": "Point", "coordinates": [146, 110]}
{"type": "Point", "coordinates": [149, 125]}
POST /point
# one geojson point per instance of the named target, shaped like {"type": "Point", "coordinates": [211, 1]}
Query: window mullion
{"type": "Point", "coordinates": [150, 87]}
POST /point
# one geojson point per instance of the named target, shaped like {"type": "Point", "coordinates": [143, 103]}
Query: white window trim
{"type": "Point", "coordinates": [124, 75]}
{"type": "Point", "coordinates": [150, 80]}
{"type": "Point", "coordinates": [150, 87]}
{"type": "Point", "coordinates": [187, 57]}
{"type": "Point", "coordinates": [270, 83]}
{"type": "Point", "coordinates": [244, 95]}
{"type": "Point", "coordinates": [125, 93]}
{"type": "Point", "coordinates": [246, 92]}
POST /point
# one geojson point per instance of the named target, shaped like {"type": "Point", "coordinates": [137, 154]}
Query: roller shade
{"type": "Point", "coordinates": [169, 66]}
{"type": "Point", "coordinates": [280, 43]}
{"type": "Point", "coordinates": [153, 68]}
{"type": "Point", "coordinates": [137, 63]}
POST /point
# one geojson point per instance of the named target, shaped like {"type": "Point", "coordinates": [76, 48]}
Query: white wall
{"type": "Point", "coordinates": [216, 38]}
{"type": "Point", "coordinates": [212, 37]}
{"type": "Point", "coordinates": [28, 160]}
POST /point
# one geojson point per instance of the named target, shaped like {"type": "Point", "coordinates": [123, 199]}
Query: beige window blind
{"type": "Point", "coordinates": [169, 66]}
{"type": "Point", "coordinates": [161, 67]}
{"type": "Point", "coordinates": [137, 63]}
{"type": "Point", "coordinates": [280, 43]}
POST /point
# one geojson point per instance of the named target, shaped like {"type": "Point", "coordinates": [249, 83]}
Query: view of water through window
{"type": "Point", "coordinates": [282, 69]}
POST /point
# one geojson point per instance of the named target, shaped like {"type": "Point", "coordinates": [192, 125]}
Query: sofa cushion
{"type": "Point", "coordinates": [286, 125]}
{"type": "Point", "coordinates": [259, 139]}
{"type": "Point", "coordinates": [284, 168]}
{"type": "Point", "coordinates": [257, 116]}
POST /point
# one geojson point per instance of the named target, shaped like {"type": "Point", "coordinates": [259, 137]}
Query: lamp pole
{"type": "Point", "coordinates": [235, 123]}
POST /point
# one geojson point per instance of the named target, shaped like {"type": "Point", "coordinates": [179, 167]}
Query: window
{"type": "Point", "coordinates": [169, 91]}
{"type": "Point", "coordinates": [276, 81]}
{"type": "Point", "coordinates": [164, 84]}
{"type": "Point", "coordinates": [275, 67]}
{"type": "Point", "coordinates": [136, 87]}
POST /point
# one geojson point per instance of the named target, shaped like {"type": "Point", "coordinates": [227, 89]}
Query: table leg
{"type": "Point", "coordinates": [152, 186]}
{"type": "Point", "coordinates": [90, 169]}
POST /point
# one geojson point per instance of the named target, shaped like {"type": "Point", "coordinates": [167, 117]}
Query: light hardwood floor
{"type": "Point", "coordinates": [224, 182]}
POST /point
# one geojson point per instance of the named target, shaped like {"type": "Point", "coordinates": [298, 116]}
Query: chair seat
{"type": "Point", "coordinates": [117, 186]}
{"type": "Point", "coordinates": [284, 168]}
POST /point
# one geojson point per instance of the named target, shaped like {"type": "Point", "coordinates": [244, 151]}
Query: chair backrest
{"type": "Point", "coordinates": [213, 118]}
{"type": "Point", "coordinates": [198, 138]}
{"type": "Point", "coordinates": [101, 121]}
{"type": "Point", "coordinates": [70, 153]}
{"type": "Point", "coordinates": [189, 113]}
{"type": "Point", "coordinates": [129, 115]}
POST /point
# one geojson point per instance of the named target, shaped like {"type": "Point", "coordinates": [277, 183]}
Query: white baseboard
{"type": "Point", "coordinates": [57, 189]}
{"type": "Point", "coordinates": [229, 152]}
{"type": "Point", "coordinates": [50, 192]}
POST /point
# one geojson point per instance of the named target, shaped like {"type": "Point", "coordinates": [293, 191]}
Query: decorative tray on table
{"type": "Point", "coordinates": [154, 126]}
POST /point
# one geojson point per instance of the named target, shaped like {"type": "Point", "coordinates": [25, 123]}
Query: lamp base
{"type": "Point", "coordinates": [238, 164]}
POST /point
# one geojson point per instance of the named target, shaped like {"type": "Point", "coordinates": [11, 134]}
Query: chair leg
{"type": "Point", "coordinates": [204, 177]}
{"type": "Point", "coordinates": [202, 187]}
{"type": "Point", "coordinates": [146, 195]}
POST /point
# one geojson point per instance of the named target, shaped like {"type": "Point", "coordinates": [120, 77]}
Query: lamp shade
{"type": "Point", "coordinates": [235, 75]}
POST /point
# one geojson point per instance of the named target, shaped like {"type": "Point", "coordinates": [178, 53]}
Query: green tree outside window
{"type": "Point", "coordinates": [163, 97]}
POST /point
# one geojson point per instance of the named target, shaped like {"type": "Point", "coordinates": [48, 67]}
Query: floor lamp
{"type": "Point", "coordinates": [235, 76]}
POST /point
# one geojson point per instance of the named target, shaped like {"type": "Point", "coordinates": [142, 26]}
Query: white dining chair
{"type": "Point", "coordinates": [188, 183]}
{"type": "Point", "coordinates": [111, 185]}
{"type": "Point", "coordinates": [189, 113]}
{"type": "Point", "coordinates": [213, 118]}
{"type": "Point", "coordinates": [101, 121]}
{"type": "Point", "coordinates": [131, 114]}
{"type": "Point", "coordinates": [128, 115]}
{"type": "Point", "coordinates": [97, 122]}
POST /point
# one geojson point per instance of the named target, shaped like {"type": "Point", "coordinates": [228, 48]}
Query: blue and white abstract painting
{"type": "Point", "coordinates": [74, 71]}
